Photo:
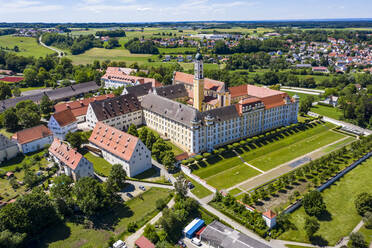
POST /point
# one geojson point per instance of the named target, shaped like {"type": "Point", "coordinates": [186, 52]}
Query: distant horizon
{"type": "Point", "coordinates": [149, 11]}
{"type": "Point", "coordinates": [211, 21]}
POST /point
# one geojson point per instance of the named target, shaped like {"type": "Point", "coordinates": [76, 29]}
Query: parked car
{"type": "Point", "coordinates": [190, 185]}
{"type": "Point", "coordinates": [119, 244]}
{"type": "Point", "coordinates": [181, 244]}
{"type": "Point", "coordinates": [196, 241]}
{"type": "Point", "coordinates": [129, 195]}
{"type": "Point", "coordinates": [142, 187]}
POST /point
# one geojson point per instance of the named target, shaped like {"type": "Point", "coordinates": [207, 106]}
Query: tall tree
{"type": "Point", "coordinates": [75, 139]}
{"type": "Point", "coordinates": [314, 204]}
{"type": "Point", "coordinates": [46, 105]}
{"type": "Point", "coordinates": [5, 91]}
{"type": "Point", "coordinates": [363, 203]}
{"type": "Point", "coordinates": [132, 130]}
{"type": "Point", "coordinates": [10, 119]}
{"type": "Point", "coordinates": [311, 226]}
{"type": "Point", "coordinates": [181, 186]}
{"type": "Point", "coordinates": [357, 241]}
{"type": "Point", "coordinates": [116, 179]}
{"type": "Point", "coordinates": [90, 196]}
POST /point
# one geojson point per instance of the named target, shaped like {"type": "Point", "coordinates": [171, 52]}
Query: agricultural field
{"type": "Point", "coordinates": [342, 216]}
{"type": "Point", "coordinates": [226, 170]}
{"type": "Point", "coordinates": [28, 46]}
{"type": "Point", "coordinates": [334, 113]}
{"type": "Point", "coordinates": [74, 234]}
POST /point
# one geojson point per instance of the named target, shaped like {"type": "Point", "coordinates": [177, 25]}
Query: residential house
{"type": "Point", "coordinates": [62, 123]}
{"type": "Point", "coordinates": [33, 139]}
{"type": "Point", "coordinates": [122, 148]}
{"type": "Point", "coordinates": [8, 148]}
{"type": "Point", "coordinates": [79, 107]}
{"type": "Point", "coordinates": [70, 161]}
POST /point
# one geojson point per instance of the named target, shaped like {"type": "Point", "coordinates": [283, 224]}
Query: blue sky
{"type": "Point", "coordinates": [179, 10]}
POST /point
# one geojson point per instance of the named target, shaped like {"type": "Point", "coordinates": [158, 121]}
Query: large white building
{"type": "Point", "coordinates": [119, 77]}
{"type": "Point", "coordinates": [70, 161]}
{"type": "Point", "coordinates": [33, 139]}
{"type": "Point", "coordinates": [119, 112]}
{"type": "Point", "coordinates": [8, 148]}
{"type": "Point", "coordinates": [61, 123]}
{"type": "Point", "coordinates": [118, 147]}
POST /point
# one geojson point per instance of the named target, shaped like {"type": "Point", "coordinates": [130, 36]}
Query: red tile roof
{"type": "Point", "coordinates": [80, 107]}
{"type": "Point", "coordinates": [117, 142]}
{"type": "Point", "coordinates": [115, 73]}
{"type": "Point", "coordinates": [11, 79]}
{"type": "Point", "coordinates": [143, 242]}
{"type": "Point", "coordinates": [209, 84]}
{"type": "Point", "coordinates": [269, 214]}
{"type": "Point", "coordinates": [65, 154]}
{"type": "Point", "coordinates": [64, 117]}
{"type": "Point", "coordinates": [271, 98]}
{"type": "Point", "coordinates": [31, 134]}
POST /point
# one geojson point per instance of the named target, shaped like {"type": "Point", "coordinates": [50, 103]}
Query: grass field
{"type": "Point", "coordinates": [234, 191]}
{"type": "Point", "coordinates": [301, 95]}
{"type": "Point", "coordinates": [177, 50]}
{"type": "Point", "coordinates": [199, 190]}
{"type": "Point", "coordinates": [291, 147]}
{"type": "Point", "coordinates": [339, 199]}
{"type": "Point", "coordinates": [100, 165]}
{"type": "Point", "coordinates": [334, 113]}
{"type": "Point", "coordinates": [175, 149]}
{"type": "Point", "coordinates": [75, 235]}
{"type": "Point", "coordinates": [27, 46]}
{"type": "Point", "coordinates": [338, 145]}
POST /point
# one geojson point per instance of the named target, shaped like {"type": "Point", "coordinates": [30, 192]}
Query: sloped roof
{"type": "Point", "coordinates": [12, 102]}
{"type": "Point", "coordinates": [117, 142]}
{"type": "Point", "coordinates": [115, 73]}
{"type": "Point", "coordinates": [222, 114]}
{"type": "Point", "coordinates": [140, 89]}
{"type": "Point", "coordinates": [64, 117]}
{"type": "Point", "coordinates": [5, 142]}
{"type": "Point", "coordinates": [80, 107]}
{"type": "Point", "coordinates": [269, 214]}
{"type": "Point", "coordinates": [65, 154]}
{"type": "Point", "coordinates": [73, 90]}
{"type": "Point", "coordinates": [209, 84]}
{"type": "Point", "coordinates": [173, 110]}
{"type": "Point", "coordinates": [172, 91]}
{"type": "Point", "coordinates": [112, 107]}
{"type": "Point", "coordinates": [31, 134]}
{"type": "Point", "coordinates": [143, 242]}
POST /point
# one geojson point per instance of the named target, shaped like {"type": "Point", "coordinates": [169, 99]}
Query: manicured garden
{"type": "Point", "coordinates": [339, 199]}
{"type": "Point", "coordinates": [225, 169]}
{"type": "Point", "coordinates": [291, 147]}
{"type": "Point", "coordinates": [74, 234]}
{"type": "Point", "coordinates": [334, 113]}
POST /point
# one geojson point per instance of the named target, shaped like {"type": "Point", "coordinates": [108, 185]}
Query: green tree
{"type": "Point", "coordinates": [46, 105]}
{"type": "Point", "coordinates": [158, 149]}
{"type": "Point", "coordinates": [89, 195]}
{"type": "Point", "coordinates": [311, 226]}
{"type": "Point", "coordinates": [142, 134]}
{"type": "Point", "coordinates": [62, 187]}
{"type": "Point", "coordinates": [181, 186]}
{"type": "Point", "coordinates": [10, 119]}
{"type": "Point", "coordinates": [363, 203]}
{"type": "Point", "coordinates": [168, 160]}
{"type": "Point", "coordinates": [314, 204]}
{"type": "Point", "coordinates": [150, 233]}
{"type": "Point", "coordinates": [30, 178]}
{"type": "Point", "coordinates": [306, 104]}
{"type": "Point", "coordinates": [28, 118]}
{"type": "Point", "coordinates": [11, 240]}
{"type": "Point", "coordinates": [75, 139]}
{"type": "Point", "coordinates": [150, 140]}
{"type": "Point", "coordinates": [5, 91]}
{"type": "Point", "coordinates": [30, 76]}
{"type": "Point", "coordinates": [116, 179]}
{"type": "Point", "coordinates": [132, 130]}
{"type": "Point", "coordinates": [16, 92]}
{"type": "Point", "coordinates": [357, 241]}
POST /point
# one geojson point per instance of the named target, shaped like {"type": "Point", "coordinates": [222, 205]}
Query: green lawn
{"type": "Point", "coordinates": [75, 235]}
{"type": "Point", "coordinates": [301, 95]}
{"type": "Point", "coordinates": [338, 145]}
{"type": "Point", "coordinates": [231, 177]}
{"type": "Point", "coordinates": [213, 169]}
{"type": "Point", "coordinates": [177, 50]}
{"type": "Point", "coordinates": [27, 46]}
{"type": "Point", "coordinates": [234, 191]}
{"type": "Point", "coordinates": [291, 147]}
{"type": "Point", "coordinates": [199, 190]}
{"type": "Point", "coordinates": [175, 149]}
{"type": "Point", "coordinates": [100, 165]}
{"type": "Point", "coordinates": [331, 112]}
{"type": "Point", "coordinates": [339, 199]}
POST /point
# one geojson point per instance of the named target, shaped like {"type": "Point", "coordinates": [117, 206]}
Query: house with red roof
{"type": "Point", "coordinates": [122, 148]}
{"type": "Point", "coordinates": [79, 108]}
{"type": "Point", "coordinates": [117, 77]}
{"type": "Point", "coordinates": [70, 161]}
{"type": "Point", "coordinates": [33, 139]}
{"type": "Point", "coordinates": [62, 123]}
{"type": "Point", "coordinates": [270, 218]}
{"type": "Point", "coordinates": [143, 242]}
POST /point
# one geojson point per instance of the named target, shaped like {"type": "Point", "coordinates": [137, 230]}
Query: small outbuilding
{"type": "Point", "coordinates": [143, 242]}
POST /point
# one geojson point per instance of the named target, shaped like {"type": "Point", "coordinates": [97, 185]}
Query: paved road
{"type": "Point", "coordinates": [343, 124]}
{"type": "Point", "coordinates": [132, 238]}
{"type": "Point", "coordinates": [60, 53]}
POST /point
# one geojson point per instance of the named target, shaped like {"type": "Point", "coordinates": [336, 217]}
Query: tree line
{"type": "Point", "coordinates": [111, 33]}
{"type": "Point", "coordinates": [136, 46]}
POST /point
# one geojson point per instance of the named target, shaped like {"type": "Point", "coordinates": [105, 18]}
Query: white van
{"type": "Point", "coordinates": [196, 241]}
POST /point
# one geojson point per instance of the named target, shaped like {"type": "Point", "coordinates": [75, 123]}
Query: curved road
{"type": "Point", "coordinates": [60, 53]}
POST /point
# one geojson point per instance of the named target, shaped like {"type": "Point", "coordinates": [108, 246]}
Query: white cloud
{"type": "Point", "coordinates": [22, 6]}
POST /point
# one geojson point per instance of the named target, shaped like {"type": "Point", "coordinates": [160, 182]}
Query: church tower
{"type": "Point", "coordinates": [198, 82]}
